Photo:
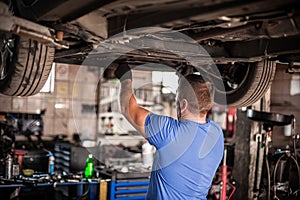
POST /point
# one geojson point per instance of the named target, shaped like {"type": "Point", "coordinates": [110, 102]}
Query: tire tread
{"type": "Point", "coordinates": [33, 63]}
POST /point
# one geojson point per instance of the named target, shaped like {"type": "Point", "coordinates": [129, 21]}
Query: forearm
{"type": "Point", "coordinates": [125, 95]}
{"type": "Point", "coordinates": [135, 114]}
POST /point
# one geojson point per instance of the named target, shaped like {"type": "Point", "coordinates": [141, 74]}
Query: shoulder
{"type": "Point", "coordinates": [160, 129]}
{"type": "Point", "coordinates": [214, 131]}
{"type": "Point", "coordinates": [159, 119]}
{"type": "Point", "coordinates": [214, 125]}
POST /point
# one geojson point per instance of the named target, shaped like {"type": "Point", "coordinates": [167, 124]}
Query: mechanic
{"type": "Point", "coordinates": [189, 149]}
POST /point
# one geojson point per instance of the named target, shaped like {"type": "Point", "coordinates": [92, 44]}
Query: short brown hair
{"type": "Point", "coordinates": [197, 91]}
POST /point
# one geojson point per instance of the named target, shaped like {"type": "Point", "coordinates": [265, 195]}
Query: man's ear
{"type": "Point", "coordinates": [184, 105]}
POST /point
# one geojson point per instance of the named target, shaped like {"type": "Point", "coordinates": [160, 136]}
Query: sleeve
{"type": "Point", "coordinates": [159, 129]}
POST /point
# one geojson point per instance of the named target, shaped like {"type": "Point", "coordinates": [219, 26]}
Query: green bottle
{"type": "Point", "coordinates": [89, 167]}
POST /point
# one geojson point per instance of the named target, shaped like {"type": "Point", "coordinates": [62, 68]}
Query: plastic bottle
{"type": "Point", "coordinates": [15, 169]}
{"type": "Point", "coordinates": [51, 163]}
{"type": "Point", "coordinates": [8, 167]}
{"type": "Point", "coordinates": [89, 167]}
{"type": "Point", "coordinates": [147, 154]}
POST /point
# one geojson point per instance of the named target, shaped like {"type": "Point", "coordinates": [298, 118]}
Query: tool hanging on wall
{"type": "Point", "coordinates": [269, 188]}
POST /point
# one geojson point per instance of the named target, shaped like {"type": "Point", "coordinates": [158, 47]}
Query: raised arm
{"type": "Point", "coordinates": [134, 113]}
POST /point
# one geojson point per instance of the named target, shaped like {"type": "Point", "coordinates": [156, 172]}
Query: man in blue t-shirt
{"type": "Point", "coordinates": [189, 149]}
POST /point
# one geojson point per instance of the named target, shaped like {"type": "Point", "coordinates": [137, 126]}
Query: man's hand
{"type": "Point", "coordinates": [123, 72]}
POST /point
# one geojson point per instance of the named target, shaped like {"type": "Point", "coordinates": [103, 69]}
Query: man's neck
{"type": "Point", "coordinates": [201, 119]}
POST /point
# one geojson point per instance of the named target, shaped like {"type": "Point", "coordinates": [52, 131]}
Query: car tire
{"type": "Point", "coordinates": [256, 80]}
{"type": "Point", "coordinates": [27, 69]}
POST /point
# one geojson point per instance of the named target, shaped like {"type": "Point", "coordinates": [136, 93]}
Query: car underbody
{"type": "Point", "coordinates": [236, 34]}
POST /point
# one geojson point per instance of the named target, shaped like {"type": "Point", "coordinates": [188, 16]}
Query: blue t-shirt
{"type": "Point", "coordinates": [186, 159]}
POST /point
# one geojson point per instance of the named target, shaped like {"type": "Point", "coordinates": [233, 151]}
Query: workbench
{"type": "Point", "coordinates": [50, 189]}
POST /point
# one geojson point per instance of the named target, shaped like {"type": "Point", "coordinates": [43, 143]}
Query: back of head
{"type": "Point", "coordinates": [198, 92]}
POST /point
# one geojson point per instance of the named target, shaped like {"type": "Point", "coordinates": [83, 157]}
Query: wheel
{"type": "Point", "coordinates": [245, 83]}
{"type": "Point", "coordinates": [25, 65]}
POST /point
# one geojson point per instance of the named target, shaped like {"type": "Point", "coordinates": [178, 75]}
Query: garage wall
{"type": "Point", "coordinates": [72, 84]}
{"type": "Point", "coordinates": [71, 108]}
{"type": "Point", "coordinates": [285, 99]}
